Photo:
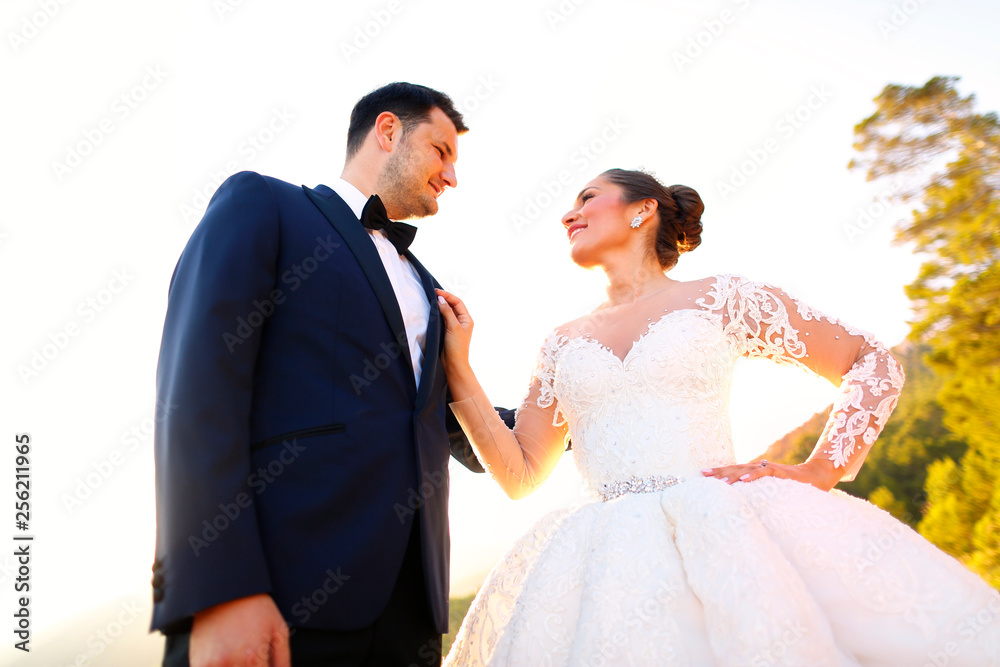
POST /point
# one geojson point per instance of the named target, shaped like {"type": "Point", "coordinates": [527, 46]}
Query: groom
{"type": "Point", "coordinates": [302, 466]}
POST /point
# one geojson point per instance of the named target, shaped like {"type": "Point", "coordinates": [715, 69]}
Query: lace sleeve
{"type": "Point", "coordinates": [545, 374]}
{"type": "Point", "coordinates": [519, 459]}
{"type": "Point", "coordinates": [763, 321]}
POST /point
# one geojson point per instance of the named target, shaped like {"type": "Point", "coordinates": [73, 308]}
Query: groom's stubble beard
{"type": "Point", "coordinates": [402, 188]}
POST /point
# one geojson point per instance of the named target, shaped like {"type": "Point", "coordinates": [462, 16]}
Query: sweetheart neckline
{"type": "Point", "coordinates": [623, 361]}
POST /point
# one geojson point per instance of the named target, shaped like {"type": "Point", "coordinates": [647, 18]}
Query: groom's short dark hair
{"type": "Point", "coordinates": [412, 104]}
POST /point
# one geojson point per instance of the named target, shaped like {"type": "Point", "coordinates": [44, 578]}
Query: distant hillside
{"type": "Point", "coordinates": [795, 445]}
{"type": "Point", "coordinates": [457, 609]}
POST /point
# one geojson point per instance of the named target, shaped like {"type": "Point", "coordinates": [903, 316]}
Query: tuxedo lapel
{"type": "Point", "coordinates": [432, 343]}
{"type": "Point", "coordinates": [340, 215]}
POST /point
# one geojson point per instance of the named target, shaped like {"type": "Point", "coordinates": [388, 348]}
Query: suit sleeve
{"type": "Point", "coordinates": [208, 547]}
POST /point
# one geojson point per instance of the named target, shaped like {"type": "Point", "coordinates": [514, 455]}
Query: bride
{"type": "Point", "coordinates": [686, 557]}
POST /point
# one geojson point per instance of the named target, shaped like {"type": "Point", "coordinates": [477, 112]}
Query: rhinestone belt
{"type": "Point", "coordinates": [635, 484]}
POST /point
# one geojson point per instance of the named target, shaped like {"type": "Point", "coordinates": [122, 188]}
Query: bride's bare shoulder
{"type": "Point", "coordinates": [588, 323]}
{"type": "Point", "coordinates": [573, 327]}
{"type": "Point", "coordinates": [701, 283]}
{"type": "Point", "coordinates": [692, 289]}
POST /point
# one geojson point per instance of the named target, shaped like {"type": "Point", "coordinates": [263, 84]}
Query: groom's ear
{"type": "Point", "coordinates": [388, 131]}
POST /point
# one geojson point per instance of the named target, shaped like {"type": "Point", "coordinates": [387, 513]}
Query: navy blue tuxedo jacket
{"type": "Point", "coordinates": [293, 447]}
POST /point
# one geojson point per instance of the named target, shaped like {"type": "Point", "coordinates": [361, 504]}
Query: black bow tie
{"type": "Point", "coordinates": [373, 216]}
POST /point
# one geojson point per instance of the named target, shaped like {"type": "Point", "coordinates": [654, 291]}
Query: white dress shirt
{"type": "Point", "coordinates": [413, 303]}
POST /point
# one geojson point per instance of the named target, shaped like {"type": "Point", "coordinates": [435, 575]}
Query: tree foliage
{"type": "Point", "coordinates": [944, 159]}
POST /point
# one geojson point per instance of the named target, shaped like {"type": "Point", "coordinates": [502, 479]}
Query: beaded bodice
{"type": "Point", "coordinates": [663, 408]}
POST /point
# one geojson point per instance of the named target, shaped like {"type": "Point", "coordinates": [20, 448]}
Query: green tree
{"type": "Point", "coordinates": [985, 559]}
{"type": "Point", "coordinates": [885, 499]}
{"type": "Point", "coordinates": [944, 158]}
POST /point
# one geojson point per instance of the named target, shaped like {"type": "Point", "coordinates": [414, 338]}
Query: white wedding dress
{"type": "Point", "coordinates": [668, 567]}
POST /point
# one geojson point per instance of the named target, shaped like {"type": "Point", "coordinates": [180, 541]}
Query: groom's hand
{"type": "Point", "coordinates": [248, 632]}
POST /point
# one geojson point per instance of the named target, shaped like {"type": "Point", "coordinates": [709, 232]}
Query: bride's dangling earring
{"type": "Point", "coordinates": [636, 221]}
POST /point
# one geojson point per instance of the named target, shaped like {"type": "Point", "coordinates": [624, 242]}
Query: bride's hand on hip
{"type": "Point", "coordinates": [812, 472]}
{"type": "Point", "coordinates": [458, 330]}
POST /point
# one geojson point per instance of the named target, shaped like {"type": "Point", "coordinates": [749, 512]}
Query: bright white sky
{"type": "Point", "coordinates": [201, 78]}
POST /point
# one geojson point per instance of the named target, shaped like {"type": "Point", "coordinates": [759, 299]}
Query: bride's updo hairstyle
{"type": "Point", "coordinates": [678, 207]}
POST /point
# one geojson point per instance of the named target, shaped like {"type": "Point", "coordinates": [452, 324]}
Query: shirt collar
{"type": "Point", "coordinates": [351, 195]}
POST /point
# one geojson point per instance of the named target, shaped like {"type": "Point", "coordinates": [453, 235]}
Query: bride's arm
{"type": "Point", "coordinates": [519, 460]}
{"type": "Point", "coordinates": [768, 323]}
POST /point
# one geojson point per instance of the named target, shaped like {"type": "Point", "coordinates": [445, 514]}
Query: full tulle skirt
{"type": "Point", "coordinates": [769, 572]}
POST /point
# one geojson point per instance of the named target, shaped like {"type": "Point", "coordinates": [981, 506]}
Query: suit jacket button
{"type": "Point", "coordinates": [157, 594]}
{"type": "Point", "coordinates": [157, 580]}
